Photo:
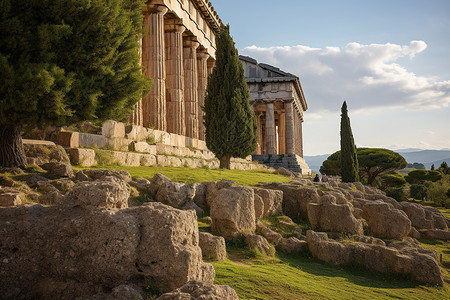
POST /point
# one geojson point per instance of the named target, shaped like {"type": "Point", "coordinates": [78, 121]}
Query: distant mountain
{"type": "Point", "coordinates": [437, 163]}
{"type": "Point", "coordinates": [426, 157]}
{"type": "Point", "coordinates": [314, 162]}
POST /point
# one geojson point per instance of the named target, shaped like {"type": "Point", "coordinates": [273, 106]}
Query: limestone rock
{"type": "Point", "coordinates": [63, 185]}
{"type": "Point", "coordinates": [285, 172]}
{"type": "Point", "coordinates": [292, 245]}
{"type": "Point", "coordinates": [327, 215]}
{"type": "Point", "coordinates": [113, 193]}
{"type": "Point", "coordinates": [385, 221]}
{"type": "Point", "coordinates": [97, 174]}
{"type": "Point", "coordinates": [195, 290]}
{"type": "Point", "coordinates": [176, 194]}
{"type": "Point", "coordinates": [11, 198]}
{"type": "Point", "coordinates": [272, 236]}
{"type": "Point", "coordinates": [212, 187]}
{"type": "Point", "coordinates": [58, 170]}
{"type": "Point", "coordinates": [213, 247]}
{"type": "Point", "coordinates": [200, 195]}
{"type": "Point", "coordinates": [155, 183]}
{"type": "Point", "coordinates": [88, 249]}
{"type": "Point", "coordinates": [143, 147]}
{"type": "Point", "coordinates": [113, 129]}
{"type": "Point", "coordinates": [39, 154]}
{"type": "Point", "coordinates": [258, 242]}
{"type": "Point", "coordinates": [272, 201]}
{"type": "Point", "coordinates": [233, 211]}
{"type": "Point", "coordinates": [123, 291]}
{"type": "Point", "coordinates": [80, 176]}
{"type": "Point", "coordinates": [82, 156]}
{"type": "Point", "coordinates": [438, 234]}
{"type": "Point", "coordinates": [439, 220]}
{"type": "Point", "coordinates": [259, 207]}
{"type": "Point", "coordinates": [192, 205]}
{"type": "Point", "coordinates": [51, 198]}
{"type": "Point", "coordinates": [422, 267]}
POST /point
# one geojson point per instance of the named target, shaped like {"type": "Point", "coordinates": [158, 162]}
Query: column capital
{"type": "Point", "coordinates": [174, 28]}
{"type": "Point", "coordinates": [155, 8]}
{"type": "Point", "coordinates": [202, 55]}
{"type": "Point", "coordinates": [190, 42]}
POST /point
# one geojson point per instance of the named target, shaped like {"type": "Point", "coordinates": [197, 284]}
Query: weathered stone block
{"type": "Point", "coordinates": [143, 147]}
{"type": "Point", "coordinates": [82, 156]}
{"type": "Point", "coordinates": [92, 140]}
{"type": "Point", "coordinates": [11, 198]}
{"type": "Point", "coordinates": [148, 160]}
{"type": "Point", "coordinates": [119, 144]}
{"type": "Point", "coordinates": [69, 139]}
{"type": "Point", "coordinates": [213, 247]}
{"type": "Point", "coordinates": [162, 160]}
{"type": "Point", "coordinates": [113, 129]}
{"type": "Point", "coordinates": [136, 133]}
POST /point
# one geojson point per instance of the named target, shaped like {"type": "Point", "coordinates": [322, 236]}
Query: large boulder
{"type": "Point", "coordinates": [195, 290]}
{"type": "Point", "coordinates": [439, 220]}
{"type": "Point", "coordinates": [233, 211]}
{"type": "Point", "coordinates": [176, 194]}
{"type": "Point", "coordinates": [213, 247]}
{"type": "Point", "coordinates": [259, 243]}
{"type": "Point", "coordinates": [58, 170]}
{"type": "Point", "coordinates": [272, 201]}
{"type": "Point", "coordinates": [416, 213]}
{"type": "Point", "coordinates": [438, 234]}
{"type": "Point", "coordinates": [98, 173]}
{"type": "Point", "coordinates": [41, 152]}
{"type": "Point", "coordinates": [386, 221]}
{"type": "Point", "coordinates": [327, 215]}
{"type": "Point", "coordinates": [409, 261]}
{"type": "Point", "coordinates": [69, 252]}
{"type": "Point", "coordinates": [108, 193]}
{"type": "Point", "coordinates": [212, 187]}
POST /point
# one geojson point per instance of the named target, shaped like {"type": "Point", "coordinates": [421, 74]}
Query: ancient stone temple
{"type": "Point", "coordinates": [178, 52]}
{"type": "Point", "coordinates": [278, 102]}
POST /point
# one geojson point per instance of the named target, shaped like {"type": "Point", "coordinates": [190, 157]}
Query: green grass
{"type": "Point", "coordinates": [287, 277]}
{"type": "Point", "coordinates": [188, 175]}
{"type": "Point", "coordinates": [442, 248]}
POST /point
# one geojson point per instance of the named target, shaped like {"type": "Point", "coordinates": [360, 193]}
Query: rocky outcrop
{"type": "Point", "coordinates": [94, 174]}
{"type": "Point", "coordinates": [385, 221]}
{"type": "Point", "coordinates": [195, 290]}
{"type": "Point", "coordinates": [272, 201]}
{"type": "Point", "coordinates": [58, 170]}
{"type": "Point", "coordinates": [213, 247]}
{"type": "Point", "coordinates": [259, 243]}
{"type": "Point", "coordinates": [233, 211]}
{"type": "Point", "coordinates": [409, 261]}
{"type": "Point", "coordinates": [69, 251]}
{"type": "Point", "coordinates": [327, 215]}
{"type": "Point", "coordinates": [10, 197]}
{"type": "Point", "coordinates": [437, 234]}
{"type": "Point", "coordinates": [41, 152]}
{"type": "Point", "coordinates": [292, 245]}
{"type": "Point", "coordinates": [176, 194]}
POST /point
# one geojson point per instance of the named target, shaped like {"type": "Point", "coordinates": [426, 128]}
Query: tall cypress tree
{"type": "Point", "coordinates": [349, 160]}
{"type": "Point", "coordinates": [229, 121]}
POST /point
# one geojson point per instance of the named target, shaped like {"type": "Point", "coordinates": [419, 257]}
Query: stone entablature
{"type": "Point", "coordinates": [278, 102]}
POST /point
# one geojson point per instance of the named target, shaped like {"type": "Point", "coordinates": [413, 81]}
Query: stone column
{"type": "Point", "coordinates": [202, 67]}
{"type": "Point", "coordinates": [211, 64]}
{"type": "Point", "coordinates": [175, 79]}
{"type": "Point", "coordinates": [190, 87]}
{"type": "Point", "coordinates": [282, 134]}
{"type": "Point", "coordinates": [136, 117]}
{"type": "Point", "coordinates": [270, 129]}
{"type": "Point", "coordinates": [153, 62]}
{"type": "Point", "coordinates": [289, 120]}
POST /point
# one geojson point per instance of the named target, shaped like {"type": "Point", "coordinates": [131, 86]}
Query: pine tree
{"type": "Point", "coordinates": [229, 121]}
{"type": "Point", "coordinates": [432, 167]}
{"type": "Point", "coordinates": [349, 160]}
{"type": "Point", "coordinates": [66, 61]}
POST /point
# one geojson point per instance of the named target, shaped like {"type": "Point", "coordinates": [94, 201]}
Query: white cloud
{"type": "Point", "coordinates": [367, 76]}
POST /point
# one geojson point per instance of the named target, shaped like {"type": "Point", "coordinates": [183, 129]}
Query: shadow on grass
{"type": "Point", "coordinates": [355, 274]}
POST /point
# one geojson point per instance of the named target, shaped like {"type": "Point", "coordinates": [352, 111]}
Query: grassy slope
{"type": "Point", "coordinates": [285, 277]}
{"type": "Point", "coordinates": [188, 175]}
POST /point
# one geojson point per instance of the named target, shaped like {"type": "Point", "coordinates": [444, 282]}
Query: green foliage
{"type": "Point", "coordinates": [418, 191]}
{"type": "Point", "coordinates": [66, 61]}
{"type": "Point", "coordinates": [416, 166]}
{"type": "Point", "coordinates": [349, 160]}
{"type": "Point", "coordinates": [444, 168]}
{"type": "Point", "coordinates": [420, 176]}
{"type": "Point", "coordinates": [432, 167]}
{"type": "Point", "coordinates": [230, 123]}
{"type": "Point", "coordinates": [437, 192]}
{"type": "Point", "coordinates": [392, 180]}
{"type": "Point", "coordinates": [372, 162]}
{"type": "Point", "coordinates": [397, 193]}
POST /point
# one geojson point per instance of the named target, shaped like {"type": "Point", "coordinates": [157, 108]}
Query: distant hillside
{"type": "Point", "coordinates": [427, 157]}
{"type": "Point", "coordinates": [412, 155]}
{"type": "Point", "coordinates": [314, 162]}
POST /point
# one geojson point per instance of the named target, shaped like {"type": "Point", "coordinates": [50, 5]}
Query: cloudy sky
{"type": "Point", "coordinates": [390, 60]}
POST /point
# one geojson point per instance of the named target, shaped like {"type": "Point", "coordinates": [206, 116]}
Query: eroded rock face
{"type": "Point", "coordinates": [97, 174]}
{"type": "Point", "coordinates": [111, 192]}
{"type": "Point", "coordinates": [73, 251]}
{"type": "Point", "coordinates": [176, 194]}
{"type": "Point", "coordinates": [58, 170]}
{"type": "Point", "coordinates": [195, 290]}
{"type": "Point", "coordinates": [39, 154]}
{"type": "Point", "coordinates": [258, 242]}
{"type": "Point", "coordinates": [10, 197]}
{"type": "Point", "coordinates": [327, 215]}
{"type": "Point", "coordinates": [385, 221]}
{"type": "Point", "coordinates": [233, 211]}
{"type": "Point", "coordinates": [272, 201]}
{"type": "Point", "coordinates": [405, 260]}
{"type": "Point", "coordinates": [213, 247]}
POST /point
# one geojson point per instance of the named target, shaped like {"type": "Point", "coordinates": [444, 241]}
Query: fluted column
{"type": "Point", "coordinates": [153, 60]}
{"type": "Point", "coordinates": [136, 116]}
{"type": "Point", "coordinates": [191, 87]}
{"type": "Point", "coordinates": [289, 120]}
{"type": "Point", "coordinates": [202, 67]}
{"type": "Point", "coordinates": [270, 129]}
{"type": "Point", "coordinates": [175, 79]}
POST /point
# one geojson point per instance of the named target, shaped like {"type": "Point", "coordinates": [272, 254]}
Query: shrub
{"type": "Point", "coordinates": [437, 192]}
{"type": "Point", "coordinates": [392, 180]}
{"type": "Point", "coordinates": [418, 191]}
{"type": "Point", "coordinates": [397, 193]}
{"type": "Point", "coordinates": [420, 176]}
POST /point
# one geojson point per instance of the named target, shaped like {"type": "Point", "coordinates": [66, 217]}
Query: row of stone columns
{"type": "Point", "coordinates": [286, 131]}
{"type": "Point", "coordinates": [179, 73]}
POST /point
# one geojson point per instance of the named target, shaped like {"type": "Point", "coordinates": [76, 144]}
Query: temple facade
{"type": "Point", "coordinates": [178, 52]}
{"type": "Point", "coordinates": [278, 101]}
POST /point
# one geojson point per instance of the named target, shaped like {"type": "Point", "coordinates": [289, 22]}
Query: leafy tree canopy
{"type": "Point", "coordinates": [420, 176]}
{"type": "Point", "coordinates": [372, 163]}
{"type": "Point", "coordinates": [69, 60]}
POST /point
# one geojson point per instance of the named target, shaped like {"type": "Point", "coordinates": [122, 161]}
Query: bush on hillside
{"type": "Point", "coordinates": [438, 192]}
{"type": "Point", "coordinates": [397, 193]}
{"type": "Point", "coordinates": [420, 176]}
{"type": "Point", "coordinates": [392, 180]}
{"type": "Point", "coordinates": [418, 191]}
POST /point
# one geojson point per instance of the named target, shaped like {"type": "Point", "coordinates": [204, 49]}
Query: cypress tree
{"type": "Point", "coordinates": [349, 160]}
{"type": "Point", "coordinates": [229, 121]}
{"type": "Point", "coordinates": [66, 61]}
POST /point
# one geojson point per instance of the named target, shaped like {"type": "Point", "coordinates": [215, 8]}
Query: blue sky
{"type": "Point", "coordinates": [390, 60]}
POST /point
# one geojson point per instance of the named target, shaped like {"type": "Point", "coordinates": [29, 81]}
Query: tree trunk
{"type": "Point", "coordinates": [11, 147]}
{"type": "Point", "coordinates": [225, 161]}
